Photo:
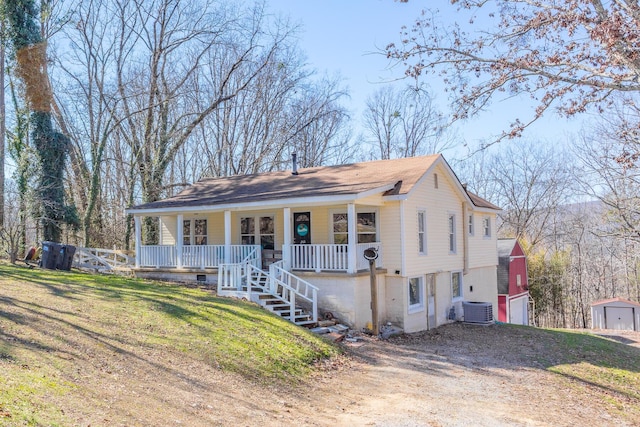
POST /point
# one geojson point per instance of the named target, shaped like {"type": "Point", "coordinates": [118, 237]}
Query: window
{"type": "Point", "coordinates": [264, 233]}
{"type": "Point", "coordinates": [471, 225]}
{"type": "Point", "coordinates": [486, 226]}
{"type": "Point", "coordinates": [194, 232]}
{"type": "Point", "coordinates": [366, 227]}
{"type": "Point", "coordinates": [416, 294]}
{"type": "Point", "coordinates": [422, 235]}
{"type": "Point", "coordinates": [435, 180]}
{"type": "Point", "coordinates": [452, 234]}
{"type": "Point", "coordinates": [456, 285]}
{"type": "Point", "coordinates": [340, 231]}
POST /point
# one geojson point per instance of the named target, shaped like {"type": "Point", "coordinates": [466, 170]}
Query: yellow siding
{"type": "Point", "coordinates": [483, 251]}
{"type": "Point", "coordinates": [391, 236]}
{"type": "Point", "coordinates": [168, 231]}
{"type": "Point", "coordinates": [438, 203]}
{"type": "Point", "coordinates": [215, 228]}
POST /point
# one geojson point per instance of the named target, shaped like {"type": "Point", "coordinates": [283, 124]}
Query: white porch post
{"type": "Point", "coordinates": [138, 233]}
{"type": "Point", "coordinates": [286, 244]}
{"type": "Point", "coordinates": [180, 241]}
{"type": "Point", "coordinates": [227, 237]}
{"type": "Point", "coordinates": [353, 238]}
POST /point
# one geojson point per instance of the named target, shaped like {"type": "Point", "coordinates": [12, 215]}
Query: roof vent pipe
{"type": "Point", "coordinates": [294, 158]}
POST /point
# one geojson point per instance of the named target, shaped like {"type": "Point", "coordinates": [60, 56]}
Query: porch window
{"type": "Point", "coordinates": [456, 285]}
{"type": "Point", "coordinates": [264, 233]}
{"type": "Point", "coordinates": [365, 227]}
{"type": "Point", "coordinates": [422, 234]}
{"type": "Point", "coordinates": [471, 231]}
{"type": "Point", "coordinates": [416, 294]}
{"type": "Point", "coordinates": [340, 229]}
{"type": "Point", "coordinates": [194, 232]}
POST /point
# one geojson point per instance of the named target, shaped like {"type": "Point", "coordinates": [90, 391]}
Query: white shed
{"type": "Point", "coordinates": [615, 313]}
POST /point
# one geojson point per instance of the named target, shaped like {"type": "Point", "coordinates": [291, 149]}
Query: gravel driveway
{"type": "Point", "coordinates": [457, 375]}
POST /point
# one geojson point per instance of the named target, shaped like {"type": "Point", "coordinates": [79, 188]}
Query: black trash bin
{"type": "Point", "coordinates": [50, 255]}
{"type": "Point", "coordinates": [65, 258]}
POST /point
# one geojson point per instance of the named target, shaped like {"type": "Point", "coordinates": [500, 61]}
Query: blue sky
{"type": "Point", "coordinates": [342, 36]}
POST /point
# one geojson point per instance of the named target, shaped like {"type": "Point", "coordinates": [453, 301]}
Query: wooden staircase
{"type": "Point", "coordinates": [277, 290]}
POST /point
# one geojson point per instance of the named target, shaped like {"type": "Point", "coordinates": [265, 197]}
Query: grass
{"type": "Point", "coordinates": [597, 361]}
{"type": "Point", "coordinates": [58, 328]}
{"type": "Point", "coordinates": [604, 365]}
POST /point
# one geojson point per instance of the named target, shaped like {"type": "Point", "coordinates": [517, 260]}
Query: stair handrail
{"type": "Point", "coordinates": [231, 275]}
{"type": "Point", "coordinates": [293, 285]}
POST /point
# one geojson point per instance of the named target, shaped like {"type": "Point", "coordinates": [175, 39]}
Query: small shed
{"type": "Point", "coordinates": [513, 284]}
{"type": "Point", "coordinates": [616, 313]}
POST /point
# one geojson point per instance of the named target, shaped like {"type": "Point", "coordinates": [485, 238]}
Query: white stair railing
{"type": "Point", "coordinates": [231, 276]}
{"type": "Point", "coordinates": [289, 286]}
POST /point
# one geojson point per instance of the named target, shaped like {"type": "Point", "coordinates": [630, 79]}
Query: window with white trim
{"type": "Point", "coordinates": [471, 230]}
{"type": "Point", "coordinates": [452, 233]}
{"type": "Point", "coordinates": [194, 232]}
{"type": "Point", "coordinates": [456, 285]}
{"type": "Point", "coordinates": [366, 227]}
{"type": "Point", "coordinates": [486, 226]}
{"type": "Point", "coordinates": [416, 294]}
{"type": "Point", "coordinates": [422, 232]}
{"type": "Point", "coordinates": [264, 233]}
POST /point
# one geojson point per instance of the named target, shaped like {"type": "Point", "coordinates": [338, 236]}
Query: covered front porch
{"type": "Point", "coordinates": [209, 239]}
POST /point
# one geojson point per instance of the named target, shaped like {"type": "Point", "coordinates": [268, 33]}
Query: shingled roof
{"type": "Point", "coordinates": [393, 177]}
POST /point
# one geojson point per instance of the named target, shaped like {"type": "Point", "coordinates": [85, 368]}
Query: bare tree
{"type": "Point", "coordinates": [404, 123]}
{"type": "Point", "coordinates": [529, 181]}
{"type": "Point", "coordinates": [609, 174]}
{"type": "Point", "coordinates": [566, 55]}
{"type": "Point", "coordinates": [166, 50]}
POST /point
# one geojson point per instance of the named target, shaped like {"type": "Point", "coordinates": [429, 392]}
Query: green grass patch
{"type": "Point", "coordinates": [52, 321]}
{"type": "Point", "coordinates": [597, 361]}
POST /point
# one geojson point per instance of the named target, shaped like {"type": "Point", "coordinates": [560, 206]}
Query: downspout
{"type": "Point", "coordinates": [465, 238]}
{"type": "Point", "coordinates": [402, 240]}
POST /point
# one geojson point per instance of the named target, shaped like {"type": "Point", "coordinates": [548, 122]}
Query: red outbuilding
{"type": "Point", "coordinates": [513, 284]}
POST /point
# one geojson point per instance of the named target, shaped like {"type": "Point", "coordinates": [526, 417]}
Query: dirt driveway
{"type": "Point", "coordinates": [454, 376]}
{"type": "Point", "coordinates": [457, 375]}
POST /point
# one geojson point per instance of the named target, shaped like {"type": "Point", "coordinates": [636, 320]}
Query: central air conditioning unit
{"type": "Point", "coordinates": [478, 312]}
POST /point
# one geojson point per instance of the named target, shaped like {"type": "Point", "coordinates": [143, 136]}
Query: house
{"type": "Point", "coordinates": [513, 284]}
{"type": "Point", "coordinates": [615, 313]}
{"type": "Point", "coordinates": [431, 244]}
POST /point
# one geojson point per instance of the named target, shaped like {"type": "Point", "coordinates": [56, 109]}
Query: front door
{"type": "Point", "coordinates": [302, 228]}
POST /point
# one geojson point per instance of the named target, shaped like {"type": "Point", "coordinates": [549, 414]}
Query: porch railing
{"type": "Point", "coordinates": [202, 256]}
{"type": "Point", "coordinates": [158, 256]}
{"type": "Point", "coordinates": [319, 257]}
{"type": "Point", "coordinates": [331, 257]}
{"type": "Point", "coordinates": [197, 256]}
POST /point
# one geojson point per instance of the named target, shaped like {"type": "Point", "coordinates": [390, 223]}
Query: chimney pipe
{"type": "Point", "coordinates": [294, 158]}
